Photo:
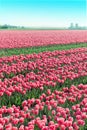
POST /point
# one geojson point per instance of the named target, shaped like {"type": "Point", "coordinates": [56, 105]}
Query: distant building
{"type": "Point", "coordinates": [71, 26]}
{"type": "Point", "coordinates": [76, 26]}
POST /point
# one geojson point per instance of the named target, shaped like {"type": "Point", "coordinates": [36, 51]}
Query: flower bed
{"type": "Point", "coordinates": [44, 91]}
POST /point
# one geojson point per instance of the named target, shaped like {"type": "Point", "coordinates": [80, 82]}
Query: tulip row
{"type": "Point", "coordinates": [32, 57]}
{"type": "Point", "coordinates": [17, 64]}
{"type": "Point", "coordinates": [23, 73]}
{"type": "Point", "coordinates": [57, 110]}
{"type": "Point", "coordinates": [18, 39]}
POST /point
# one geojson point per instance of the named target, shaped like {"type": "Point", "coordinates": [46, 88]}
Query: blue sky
{"type": "Point", "coordinates": [46, 13]}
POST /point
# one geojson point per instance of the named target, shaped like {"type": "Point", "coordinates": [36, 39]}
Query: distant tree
{"type": "Point", "coordinates": [5, 26]}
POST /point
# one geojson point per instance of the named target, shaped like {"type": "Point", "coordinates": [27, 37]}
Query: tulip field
{"type": "Point", "coordinates": [45, 90]}
{"type": "Point", "coordinates": [19, 39]}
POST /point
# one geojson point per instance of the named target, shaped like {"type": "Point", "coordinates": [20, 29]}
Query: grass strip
{"type": "Point", "coordinates": [30, 50]}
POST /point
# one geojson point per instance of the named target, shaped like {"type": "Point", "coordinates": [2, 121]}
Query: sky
{"type": "Point", "coordinates": [43, 13]}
